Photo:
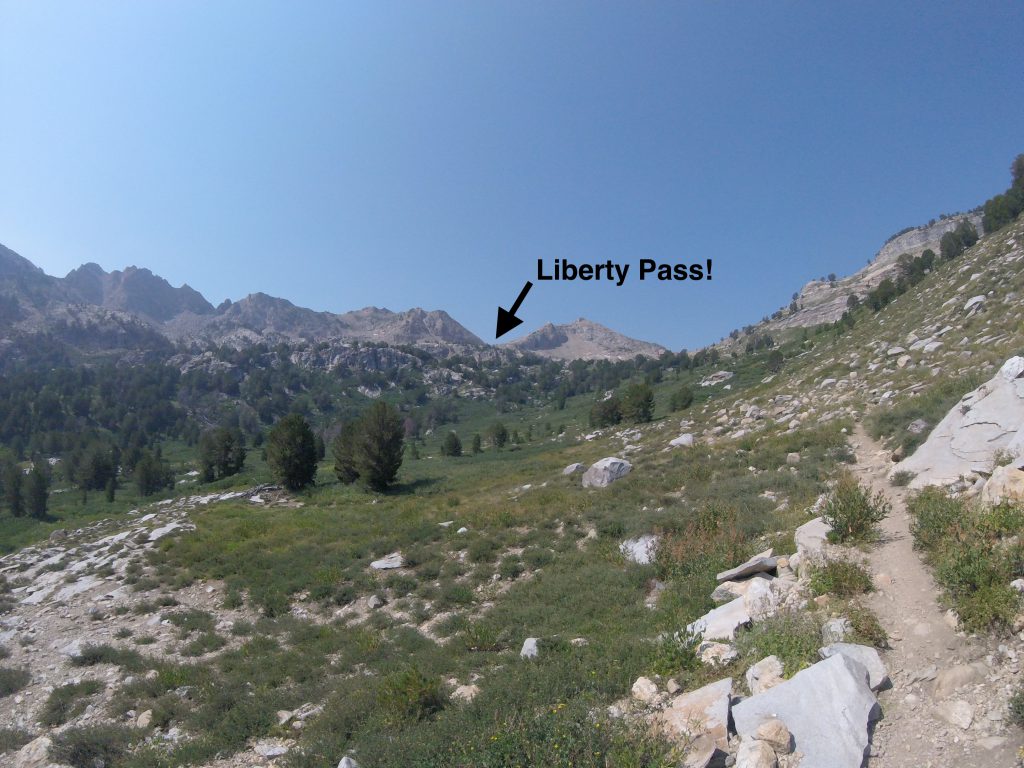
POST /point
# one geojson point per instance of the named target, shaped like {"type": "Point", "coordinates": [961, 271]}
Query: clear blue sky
{"type": "Point", "coordinates": [401, 154]}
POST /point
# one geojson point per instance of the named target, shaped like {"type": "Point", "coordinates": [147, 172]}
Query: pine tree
{"type": "Point", "coordinates": [38, 492]}
{"type": "Point", "coordinates": [638, 403]}
{"type": "Point", "coordinates": [477, 444]}
{"type": "Point", "coordinates": [344, 450]}
{"type": "Point", "coordinates": [13, 496]}
{"type": "Point", "coordinates": [291, 452]}
{"type": "Point", "coordinates": [381, 443]}
{"type": "Point", "coordinates": [451, 446]}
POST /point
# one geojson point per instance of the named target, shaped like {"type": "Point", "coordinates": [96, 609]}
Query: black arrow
{"type": "Point", "coordinates": [507, 319]}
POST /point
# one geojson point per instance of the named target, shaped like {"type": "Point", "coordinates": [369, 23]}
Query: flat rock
{"type": "Point", "coordinates": [827, 708]}
{"type": "Point", "coordinates": [572, 469]}
{"type": "Point", "coordinates": [949, 680]}
{"type": "Point", "coordinates": [878, 675]}
{"type": "Point", "coordinates": [722, 622]}
{"type": "Point", "coordinates": [394, 560]}
{"type": "Point", "coordinates": [605, 472]}
{"type": "Point", "coordinates": [704, 711]}
{"type": "Point", "coordinates": [760, 563]}
{"type": "Point", "coordinates": [956, 712]}
{"type": "Point", "coordinates": [683, 441]}
{"type": "Point", "coordinates": [716, 654]}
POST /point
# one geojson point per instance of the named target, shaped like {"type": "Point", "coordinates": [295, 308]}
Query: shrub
{"type": "Point", "coordinates": [67, 702]}
{"type": "Point", "coordinates": [408, 696]}
{"type": "Point", "coordinates": [92, 655]}
{"type": "Point", "coordinates": [902, 478]}
{"type": "Point", "coordinates": [842, 578]}
{"type": "Point", "coordinates": [12, 739]}
{"type": "Point", "coordinates": [91, 746]}
{"type": "Point", "coordinates": [606, 412]}
{"type": "Point", "coordinates": [13, 680]}
{"type": "Point", "coordinates": [681, 399]}
{"type": "Point", "coordinates": [451, 446]}
{"type": "Point", "coordinates": [867, 630]}
{"type": "Point", "coordinates": [852, 512]}
{"type": "Point", "coordinates": [934, 514]}
{"type": "Point", "coordinates": [638, 403]}
{"type": "Point", "coordinates": [1016, 707]}
{"type": "Point", "coordinates": [793, 636]}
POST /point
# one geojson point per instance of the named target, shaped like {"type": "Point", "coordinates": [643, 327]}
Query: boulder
{"type": "Point", "coordinates": [34, 754]}
{"type": "Point", "coordinates": [529, 649]}
{"type": "Point", "coordinates": [776, 735]}
{"type": "Point", "coordinates": [827, 708]}
{"type": "Point", "coordinates": [644, 690]}
{"type": "Point", "coordinates": [722, 622]}
{"type": "Point", "coordinates": [348, 762]}
{"type": "Point", "coordinates": [755, 754]}
{"type": "Point", "coordinates": [1005, 484]}
{"type": "Point", "coordinates": [765, 674]}
{"type": "Point", "coordinates": [836, 630]}
{"type": "Point", "coordinates": [793, 458]}
{"type": "Point", "coordinates": [640, 550]}
{"type": "Point", "coordinates": [730, 590]}
{"type": "Point", "coordinates": [683, 441]}
{"type": "Point", "coordinates": [605, 472]}
{"type": "Point", "coordinates": [704, 711]}
{"type": "Point", "coordinates": [811, 540]}
{"type": "Point", "coordinates": [394, 560]}
{"type": "Point", "coordinates": [867, 656]}
{"type": "Point", "coordinates": [572, 469]}
{"type": "Point", "coordinates": [760, 563]}
{"type": "Point", "coordinates": [985, 421]}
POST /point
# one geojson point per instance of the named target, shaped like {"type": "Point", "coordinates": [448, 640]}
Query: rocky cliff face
{"type": "Point", "coordinates": [824, 302]}
{"type": "Point", "coordinates": [584, 339]}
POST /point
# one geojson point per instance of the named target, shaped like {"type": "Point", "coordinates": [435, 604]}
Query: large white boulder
{"type": "Point", "coordinates": [605, 472]}
{"type": "Point", "coordinates": [722, 622]}
{"type": "Point", "coordinates": [683, 441]}
{"type": "Point", "coordinates": [984, 422]}
{"type": "Point", "coordinates": [827, 707]}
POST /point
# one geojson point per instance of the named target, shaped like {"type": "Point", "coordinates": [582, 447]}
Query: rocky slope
{"type": "Point", "coordinates": [584, 339]}
{"type": "Point", "coordinates": [824, 301]}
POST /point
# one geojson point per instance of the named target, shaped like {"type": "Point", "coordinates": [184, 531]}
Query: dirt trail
{"type": "Point", "coordinates": [924, 645]}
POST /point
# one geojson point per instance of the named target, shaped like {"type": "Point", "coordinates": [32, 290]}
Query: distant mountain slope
{"type": "Point", "coordinates": [584, 340]}
{"type": "Point", "coordinates": [32, 301]}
